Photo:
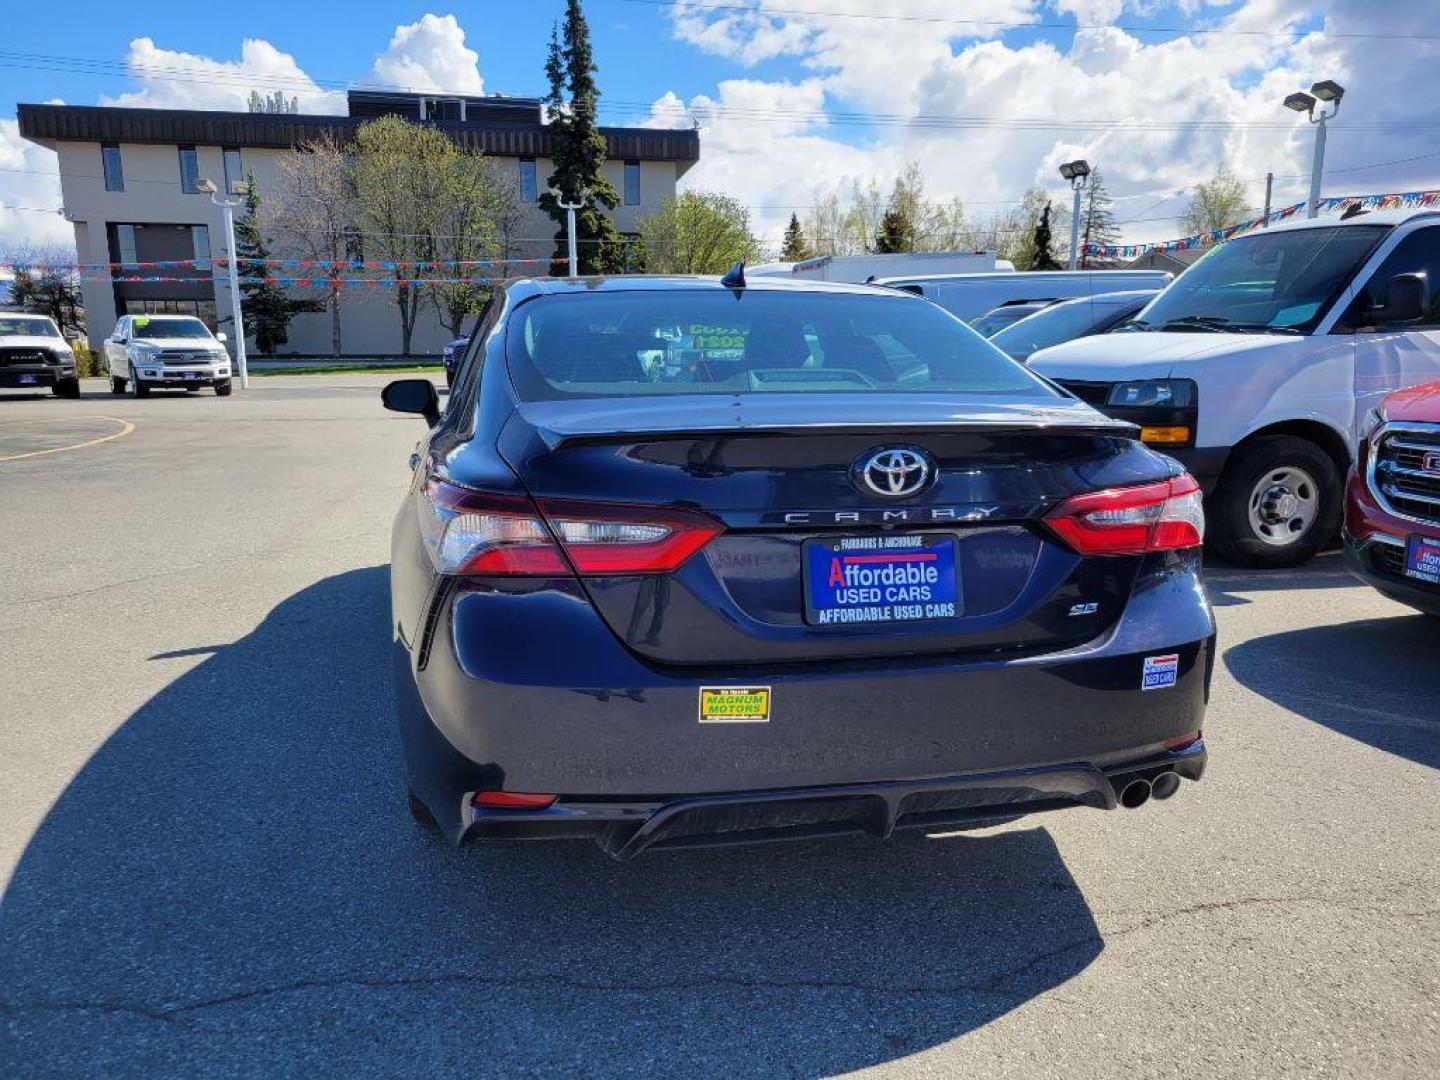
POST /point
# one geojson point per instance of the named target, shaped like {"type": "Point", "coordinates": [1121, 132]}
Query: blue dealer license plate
{"type": "Point", "coordinates": [1422, 559]}
{"type": "Point", "coordinates": [880, 579]}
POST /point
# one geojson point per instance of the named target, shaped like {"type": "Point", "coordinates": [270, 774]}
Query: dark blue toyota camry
{"type": "Point", "coordinates": [696, 561]}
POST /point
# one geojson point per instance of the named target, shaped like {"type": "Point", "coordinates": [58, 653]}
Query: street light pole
{"type": "Point", "coordinates": [1313, 106]}
{"type": "Point", "coordinates": [227, 208]}
{"type": "Point", "coordinates": [1076, 172]}
{"type": "Point", "coordinates": [570, 208]}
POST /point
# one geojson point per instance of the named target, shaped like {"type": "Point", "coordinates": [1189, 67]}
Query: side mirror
{"type": "Point", "coordinates": [413, 396]}
{"type": "Point", "coordinates": [220, 335]}
{"type": "Point", "coordinates": [1407, 299]}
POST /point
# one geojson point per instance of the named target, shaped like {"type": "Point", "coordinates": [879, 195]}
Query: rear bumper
{"type": "Point", "coordinates": [624, 829]}
{"type": "Point", "coordinates": [532, 692]}
{"type": "Point", "coordinates": [25, 376]}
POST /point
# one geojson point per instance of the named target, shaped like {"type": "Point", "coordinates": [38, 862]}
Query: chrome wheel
{"type": "Point", "coordinates": [1284, 503]}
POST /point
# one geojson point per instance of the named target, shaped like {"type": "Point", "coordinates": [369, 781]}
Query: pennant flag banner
{"type": "Point", "coordinates": [309, 282]}
{"type": "Point", "coordinates": [290, 264]}
{"type": "Point", "coordinates": [1340, 203]}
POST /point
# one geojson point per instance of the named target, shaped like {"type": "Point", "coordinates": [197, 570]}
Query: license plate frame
{"type": "Point", "coordinates": [28, 380]}
{"type": "Point", "coordinates": [1422, 558]}
{"type": "Point", "coordinates": [896, 579]}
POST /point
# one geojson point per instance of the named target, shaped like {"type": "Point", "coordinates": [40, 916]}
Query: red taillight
{"type": "Point", "coordinates": [513, 800]}
{"type": "Point", "coordinates": [1163, 516]}
{"type": "Point", "coordinates": [472, 532]}
{"type": "Point", "coordinates": [1180, 742]}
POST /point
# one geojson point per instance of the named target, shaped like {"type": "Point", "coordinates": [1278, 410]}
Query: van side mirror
{"type": "Point", "coordinates": [413, 396]}
{"type": "Point", "coordinates": [1406, 299]}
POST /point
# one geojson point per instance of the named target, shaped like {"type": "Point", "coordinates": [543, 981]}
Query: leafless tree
{"type": "Point", "coordinates": [314, 214]}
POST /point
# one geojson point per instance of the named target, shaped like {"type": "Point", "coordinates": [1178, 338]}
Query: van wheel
{"type": "Point", "coordinates": [117, 385]}
{"type": "Point", "coordinates": [1277, 504]}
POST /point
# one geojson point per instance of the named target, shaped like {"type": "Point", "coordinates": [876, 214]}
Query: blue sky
{"type": "Point", "coordinates": [783, 97]}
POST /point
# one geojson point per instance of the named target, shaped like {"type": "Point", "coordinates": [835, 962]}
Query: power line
{"type": "Point", "coordinates": [748, 9]}
{"type": "Point", "coordinates": [118, 69]}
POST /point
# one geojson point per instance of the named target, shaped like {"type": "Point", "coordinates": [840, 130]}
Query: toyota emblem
{"type": "Point", "coordinates": [894, 471]}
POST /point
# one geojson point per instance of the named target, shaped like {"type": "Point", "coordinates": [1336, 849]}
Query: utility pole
{"type": "Point", "coordinates": [227, 208]}
{"type": "Point", "coordinates": [570, 208]}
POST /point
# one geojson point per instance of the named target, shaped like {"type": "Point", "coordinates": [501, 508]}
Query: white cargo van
{"type": "Point", "coordinates": [967, 296]}
{"type": "Point", "coordinates": [1257, 367]}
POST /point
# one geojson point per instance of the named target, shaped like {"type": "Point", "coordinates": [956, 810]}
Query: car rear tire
{"type": "Point", "coordinates": [222, 389]}
{"type": "Point", "coordinates": [67, 388]}
{"type": "Point", "coordinates": [1278, 503]}
{"type": "Point", "coordinates": [138, 388]}
{"type": "Point", "coordinates": [117, 385]}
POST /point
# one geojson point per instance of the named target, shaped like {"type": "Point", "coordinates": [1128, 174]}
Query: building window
{"type": "Point", "coordinates": [529, 192]}
{"type": "Point", "coordinates": [632, 183]}
{"type": "Point", "coordinates": [125, 244]}
{"type": "Point", "coordinates": [234, 171]}
{"type": "Point", "coordinates": [200, 242]}
{"type": "Point", "coordinates": [114, 174]}
{"type": "Point", "coordinates": [189, 170]}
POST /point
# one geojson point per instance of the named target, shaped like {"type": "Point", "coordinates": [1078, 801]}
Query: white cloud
{"type": "Point", "coordinates": [429, 54]}
{"type": "Point", "coordinates": [30, 179]}
{"type": "Point", "coordinates": [1171, 101]}
{"type": "Point", "coordinates": [168, 79]}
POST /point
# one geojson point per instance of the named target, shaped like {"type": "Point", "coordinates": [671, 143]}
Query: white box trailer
{"type": "Point", "coordinates": [860, 268]}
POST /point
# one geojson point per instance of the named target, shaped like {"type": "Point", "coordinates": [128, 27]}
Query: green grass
{"type": "Point", "coordinates": [340, 369]}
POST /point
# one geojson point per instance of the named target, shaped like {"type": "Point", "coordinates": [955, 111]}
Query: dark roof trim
{"type": "Point", "coordinates": [92, 123]}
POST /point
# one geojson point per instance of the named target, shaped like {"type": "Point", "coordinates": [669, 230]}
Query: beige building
{"type": "Point", "coordinates": [129, 182]}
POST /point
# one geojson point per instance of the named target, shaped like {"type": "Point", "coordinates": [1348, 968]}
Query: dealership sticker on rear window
{"type": "Point", "coordinates": [734, 704]}
{"type": "Point", "coordinates": [1160, 671]}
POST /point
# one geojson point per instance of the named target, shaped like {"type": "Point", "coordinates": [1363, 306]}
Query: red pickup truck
{"type": "Point", "coordinates": [1392, 506]}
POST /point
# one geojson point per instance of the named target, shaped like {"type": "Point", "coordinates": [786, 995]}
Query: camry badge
{"type": "Point", "coordinates": [894, 471]}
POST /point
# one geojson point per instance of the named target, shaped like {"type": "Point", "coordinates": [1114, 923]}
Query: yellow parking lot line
{"type": "Point", "coordinates": [126, 427]}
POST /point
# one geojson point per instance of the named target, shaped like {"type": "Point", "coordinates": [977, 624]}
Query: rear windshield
{"type": "Point", "coordinates": [169, 328]}
{"type": "Point", "coordinates": [710, 342]}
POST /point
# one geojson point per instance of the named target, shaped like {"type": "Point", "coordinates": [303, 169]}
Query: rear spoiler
{"type": "Point", "coordinates": [1110, 428]}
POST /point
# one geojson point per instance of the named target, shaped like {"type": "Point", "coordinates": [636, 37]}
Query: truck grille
{"type": "Point", "coordinates": [175, 357]}
{"type": "Point", "coordinates": [19, 356]}
{"type": "Point", "coordinates": [1405, 472]}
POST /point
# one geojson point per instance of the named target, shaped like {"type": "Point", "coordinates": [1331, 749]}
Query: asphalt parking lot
{"type": "Point", "coordinates": [208, 867]}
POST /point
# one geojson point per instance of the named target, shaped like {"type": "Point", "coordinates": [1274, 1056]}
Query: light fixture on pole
{"type": "Point", "coordinates": [1077, 172]}
{"type": "Point", "coordinates": [1327, 92]}
{"type": "Point", "coordinates": [227, 208]}
{"type": "Point", "coordinates": [570, 208]}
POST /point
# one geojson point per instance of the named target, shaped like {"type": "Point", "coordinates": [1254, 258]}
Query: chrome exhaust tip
{"type": "Point", "coordinates": [1135, 794]}
{"type": "Point", "coordinates": [1165, 785]}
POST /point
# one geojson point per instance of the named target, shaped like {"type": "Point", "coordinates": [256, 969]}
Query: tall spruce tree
{"type": "Point", "coordinates": [267, 309]}
{"type": "Point", "coordinates": [578, 150]}
{"type": "Point", "coordinates": [795, 246]}
{"type": "Point", "coordinates": [1043, 257]}
{"type": "Point", "coordinates": [1097, 223]}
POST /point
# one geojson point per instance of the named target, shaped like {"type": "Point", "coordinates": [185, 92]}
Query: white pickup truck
{"type": "Point", "coordinates": [1258, 365]}
{"type": "Point", "coordinates": [154, 351]}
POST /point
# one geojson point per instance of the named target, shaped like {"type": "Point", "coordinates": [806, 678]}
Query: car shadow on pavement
{"type": "Point", "coordinates": [1374, 680]}
{"type": "Point", "coordinates": [1226, 583]}
{"type": "Point", "coordinates": [232, 885]}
